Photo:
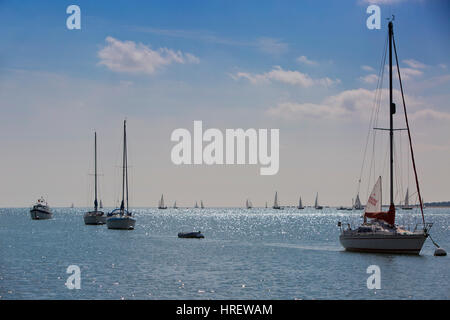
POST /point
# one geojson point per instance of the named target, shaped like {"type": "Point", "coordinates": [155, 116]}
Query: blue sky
{"type": "Point", "coordinates": [260, 64]}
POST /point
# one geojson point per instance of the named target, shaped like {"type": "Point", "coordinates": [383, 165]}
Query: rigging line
{"type": "Point", "coordinates": [409, 134]}
{"type": "Point", "coordinates": [374, 119]}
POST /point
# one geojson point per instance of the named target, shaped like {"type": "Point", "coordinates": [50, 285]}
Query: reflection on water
{"type": "Point", "coordinates": [247, 254]}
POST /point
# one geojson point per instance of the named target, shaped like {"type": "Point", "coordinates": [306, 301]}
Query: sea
{"type": "Point", "coordinates": [253, 254]}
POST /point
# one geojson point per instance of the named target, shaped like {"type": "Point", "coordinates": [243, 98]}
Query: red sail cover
{"type": "Point", "coordinates": [374, 205]}
{"type": "Point", "coordinates": [389, 216]}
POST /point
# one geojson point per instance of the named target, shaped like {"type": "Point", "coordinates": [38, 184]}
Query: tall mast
{"type": "Point", "coordinates": [122, 207]}
{"type": "Point", "coordinates": [95, 170]}
{"type": "Point", "coordinates": [391, 121]}
{"type": "Point", "coordinates": [126, 161]}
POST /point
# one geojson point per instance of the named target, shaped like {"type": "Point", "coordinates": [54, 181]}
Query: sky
{"type": "Point", "coordinates": [307, 68]}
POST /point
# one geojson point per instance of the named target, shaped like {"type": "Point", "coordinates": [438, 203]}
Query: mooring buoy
{"type": "Point", "coordinates": [439, 252]}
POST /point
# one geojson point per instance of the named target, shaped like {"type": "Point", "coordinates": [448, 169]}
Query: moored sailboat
{"type": "Point", "coordinates": [95, 217]}
{"type": "Point", "coordinates": [121, 218]}
{"type": "Point", "coordinates": [380, 233]}
{"type": "Point", "coordinates": [248, 204]}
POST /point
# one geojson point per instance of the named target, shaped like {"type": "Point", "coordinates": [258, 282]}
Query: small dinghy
{"type": "Point", "coordinates": [196, 235]}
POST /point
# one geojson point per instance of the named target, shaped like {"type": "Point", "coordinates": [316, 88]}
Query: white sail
{"type": "Point", "coordinates": [375, 200]}
{"type": "Point", "coordinates": [175, 205]}
{"type": "Point", "coordinates": [407, 198]}
{"type": "Point", "coordinates": [300, 203]}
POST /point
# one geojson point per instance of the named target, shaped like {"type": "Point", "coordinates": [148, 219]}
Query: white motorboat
{"type": "Point", "coordinates": [41, 210]}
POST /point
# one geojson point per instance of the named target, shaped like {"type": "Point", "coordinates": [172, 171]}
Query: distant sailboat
{"type": "Point", "coordinates": [175, 205]}
{"type": "Point", "coordinates": [406, 206]}
{"type": "Point", "coordinates": [72, 205]}
{"type": "Point", "coordinates": [196, 205]}
{"type": "Point", "coordinates": [161, 203]}
{"type": "Point", "coordinates": [358, 205]}
{"type": "Point", "coordinates": [275, 202]}
{"type": "Point", "coordinates": [316, 203]}
{"type": "Point", "coordinates": [201, 205]}
{"type": "Point", "coordinates": [266, 204]}
{"type": "Point", "coordinates": [248, 204]}
{"type": "Point", "coordinates": [300, 205]}
{"type": "Point", "coordinates": [101, 204]}
{"type": "Point", "coordinates": [94, 217]}
{"type": "Point", "coordinates": [120, 218]}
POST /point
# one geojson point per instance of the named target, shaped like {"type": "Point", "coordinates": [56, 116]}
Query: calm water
{"type": "Point", "coordinates": [247, 254]}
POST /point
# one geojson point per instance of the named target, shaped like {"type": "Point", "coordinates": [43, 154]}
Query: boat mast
{"type": "Point", "coordinates": [126, 160]}
{"type": "Point", "coordinates": [122, 206]}
{"type": "Point", "coordinates": [95, 170]}
{"type": "Point", "coordinates": [391, 120]}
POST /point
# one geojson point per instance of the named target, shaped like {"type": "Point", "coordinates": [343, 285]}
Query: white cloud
{"type": "Point", "coordinates": [285, 76]}
{"type": "Point", "coordinates": [271, 45]}
{"type": "Point", "coordinates": [382, 1]}
{"type": "Point", "coordinates": [368, 68]}
{"type": "Point", "coordinates": [414, 64]}
{"type": "Point", "coordinates": [354, 104]}
{"type": "Point", "coordinates": [305, 60]}
{"type": "Point", "coordinates": [127, 56]}
{"type": "Point", "coordinates": [370, 78]}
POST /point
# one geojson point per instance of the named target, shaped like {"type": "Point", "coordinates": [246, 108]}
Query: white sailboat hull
{"type": "Point", "coordinates": [121, 223]}
{"type": "Point", "coordinates": [41, 214]}
{"type": "Point", "coordinates": [94, 218]}
{"type": "Point", "coordinates": [383, 243]}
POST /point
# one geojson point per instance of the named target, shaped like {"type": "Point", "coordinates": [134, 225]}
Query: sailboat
{"type": "Point", "coordinates": [201, 205]}
{"type": "Point", "coordinates": [380, 233]}
{"type": "Point", "coordinates": [196, 205]}
{"type": "Point", "coordinates": [95, 217]}
{"type": "Point", "coordinates": [248, 204]}
{"type": "Point", "coordinates": [161, 203]}
{"type": "Point", "coordinates": [121, 218]}
{"type": "Point", "coordinates": [266, 204]}
{"type": "Point", "coordinates": [358, 205]}
{"type": "Point", "coordinates": [101, 204]}
{"type": "Point", "coordinates": [406, 206]}
{"type": "Point", "coordinates": [175, 205]}
{"type": "Point", "coordinates": [316, 203]}
{"type": "Point", "coordinates": [300, 205]}
{"type": "Point", "coordinates": [41, 210]}
{"type": "Point", "coordinates": [275, 202]}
